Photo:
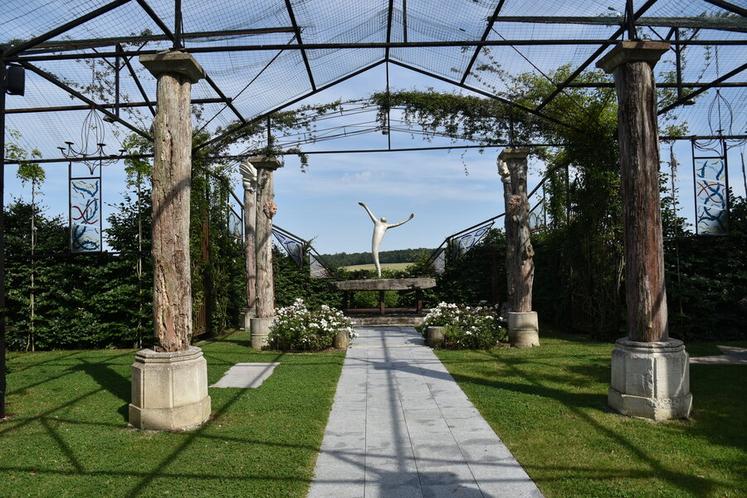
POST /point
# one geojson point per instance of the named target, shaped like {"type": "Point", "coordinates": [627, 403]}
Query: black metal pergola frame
{"type": "Point", "coordinates": [111, 50]}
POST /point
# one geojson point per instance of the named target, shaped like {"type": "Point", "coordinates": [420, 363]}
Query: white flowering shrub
{"type": "Point", "coordinates": [467, 327]}
{"type": "Point", "coordinates": [298, 328]}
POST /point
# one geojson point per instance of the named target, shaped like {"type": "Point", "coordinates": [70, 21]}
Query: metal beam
{"type": "Point", "coordinates": [390, 12]}
{"type": "Point", "coordinates": [53, 79]}
{"type": "Point", "coordinates": [227, 101]}
{"type": "Point", "coordinates": [215, 140]}
{"type": "Point", "coordinates": [297, 31]}
{"type": "Point", "coordinates": [67, 45]}
{"type": "Point", "coordinates": [580, 69]}
{"type": "Point", "coordinates": [244, 155]}
{"type": "Point", "coordinates": [157, 19]}
{"type": "Point", "coordinates": [730, 23]}
{"type": "Point", "coordinates": [729, 6]}
{"type": "Point", "coordinates": [484, 94]}
{"type": "Point", "coordinates": [137, 83]}
{"type": "Point", "coordinates": [723, 84]}
{"type": "Point", "coordinates": [702, 89]}
{"type": "Point", "coordinates": [15, 49]}
{"type": "Point", "coordinates": [178, 44]}
{"type": "Point", "coordinates": [484, 37]}
{"type": "Point", "coordinates": [369, 45]}
{"type": "Point", "coordinates": [82, 107]}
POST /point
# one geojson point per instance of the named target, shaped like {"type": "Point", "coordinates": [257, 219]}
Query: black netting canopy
{"type": "Point", "coordinates": [264, 55]}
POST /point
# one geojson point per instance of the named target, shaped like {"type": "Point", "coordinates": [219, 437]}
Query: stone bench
{"type": "Point", "coordinates": [381, 285]}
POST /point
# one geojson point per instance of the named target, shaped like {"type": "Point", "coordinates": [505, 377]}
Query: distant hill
{"type": "Point", "coordinates": [363, 258]}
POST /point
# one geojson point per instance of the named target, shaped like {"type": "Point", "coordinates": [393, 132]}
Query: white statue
{"type": "Point", "coordinates": [380, 228]}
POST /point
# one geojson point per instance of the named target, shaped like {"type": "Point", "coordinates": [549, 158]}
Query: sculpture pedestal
{"type": "Point", "coordinates": [260, 329]}
{"type": "Point", "coordinates": [650, 379]}
{"type": "Point", "coordinates": [169, 390]}
{"type": "Point", "coordinates": [523, 329]}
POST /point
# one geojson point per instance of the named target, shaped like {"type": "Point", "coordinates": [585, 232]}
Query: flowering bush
{"type": "Point", "coordinates": [466, 327]}
{"type": "Point", "coordinates": [297, 328]}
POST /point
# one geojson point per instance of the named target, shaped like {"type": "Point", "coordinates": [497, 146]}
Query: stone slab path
{"type": "Point", "coordinates": [246, 375]}
{"type": "Point", "coordinates": [730, 356]}
{"type": "Point", "coordinates": [400, 426]}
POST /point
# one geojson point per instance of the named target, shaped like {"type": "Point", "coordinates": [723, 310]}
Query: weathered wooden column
{"type": "Point", "coordinates": [266, 209]}
{"type": "Point", "coordinates": [650, 371]}
{"type": "Point", "coordinates": [249, 177]}
{"type": "Point", "coordinates": [523, 327]}
{"type": "Point", "coordinates": [169, 382]}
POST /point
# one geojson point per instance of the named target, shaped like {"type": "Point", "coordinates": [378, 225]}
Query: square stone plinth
{"type": "Point", "coordinates": [523, 329]}
{"type": "Point", "coordinates": [260, 330]}
{"type": "Point", "coordinates": [175, 63]}
{"type": "Point", "coordinates": [650, 379]}
{"type": "Point", "coordinates": [169, 390]}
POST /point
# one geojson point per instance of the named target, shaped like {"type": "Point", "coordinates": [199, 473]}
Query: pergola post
{"type": "Point", "coordinates": [265, 210]}
{"type": "Point", "coordinates": [650, 371]}
{"type": "Point", "coordinates": [523, 327]}
{"type": "Point", "coordinates": [169, 382]}
{"type": "Point", "coordinates": [249, 177]}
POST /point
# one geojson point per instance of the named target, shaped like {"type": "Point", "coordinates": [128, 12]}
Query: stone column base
{"type": "Point", "coordinates": [650, 379]}
{"type": "Point", "coordinates": [342, 340]}
{"type": "Point", "coordinates": [169, 390]}
{"type": "Point", "coordinates": [434, 336]}
{"type": "Point", "coordinates": [245, 318]}
{"type": "Point", "coordinates": [523, 329]}
{"type": "Point", "coordinates": [260, 328]}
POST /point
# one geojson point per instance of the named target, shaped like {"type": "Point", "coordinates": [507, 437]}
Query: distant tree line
{"type": "Point", "coordinates": [341, 259]}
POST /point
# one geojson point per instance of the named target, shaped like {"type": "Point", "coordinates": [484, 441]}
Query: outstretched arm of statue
{"type": "Point", "coordinates": [412, 215]}
{"type": "Point", "coordinates": [370, 214]}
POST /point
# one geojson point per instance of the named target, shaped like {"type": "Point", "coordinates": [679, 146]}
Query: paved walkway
{"type": "Point", "coordinates": [400, 426]}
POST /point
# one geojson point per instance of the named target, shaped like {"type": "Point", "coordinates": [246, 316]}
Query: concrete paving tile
{"type": "Point", "coordinates": [401, 427]}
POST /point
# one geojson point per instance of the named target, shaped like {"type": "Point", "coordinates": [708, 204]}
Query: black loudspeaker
{"type": "Point", "coordinates": [16, 80]}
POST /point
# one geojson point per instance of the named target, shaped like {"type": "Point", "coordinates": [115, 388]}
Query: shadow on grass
{"type": "Point", "coordinates": [56, 426]}
{"type": "Point", "coordinates": [110, 380]}
{"type": "Point", "coordinates": [521, 379]}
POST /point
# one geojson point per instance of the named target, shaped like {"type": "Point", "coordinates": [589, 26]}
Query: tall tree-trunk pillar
{"type": "Point", "coordinates": [523, 328]}
{"type": "Point", "coordinates": [265, 210]}
{"type": "Point", "coordinates": [650, 371]}
{"type": "Point", "coordinates": [169, 382]}
{"type": "Point", "coordinates": [249, 177]}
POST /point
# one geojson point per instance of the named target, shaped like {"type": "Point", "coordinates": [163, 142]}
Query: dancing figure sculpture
{"type": "Point", "coordinates": [380, 228]}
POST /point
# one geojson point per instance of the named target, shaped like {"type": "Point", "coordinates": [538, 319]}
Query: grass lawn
{"type": "Point", "coordinates": [549, 405]}
{"type": "Point", "coordinates": [384, 266]}
{"type": "Point", "coordinates": [68, 435]}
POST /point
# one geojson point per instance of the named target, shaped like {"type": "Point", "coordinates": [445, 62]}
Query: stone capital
{"type": "Point", "coordinates": [173, 63]}
{"type": "Point", "coordinates": [265, 162]}
{"type": "Point", "coordinates": [514, 153]}
{"type": "Point", "coordinates": [633, 51]}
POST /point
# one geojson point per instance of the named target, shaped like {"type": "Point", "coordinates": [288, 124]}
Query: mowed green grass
{"type": "Point", "coordinates": [549, 405]}
{"type": "Point", "coordinates": [384, 266]}
{"type": "Point", "coordinates": [68, 435]}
